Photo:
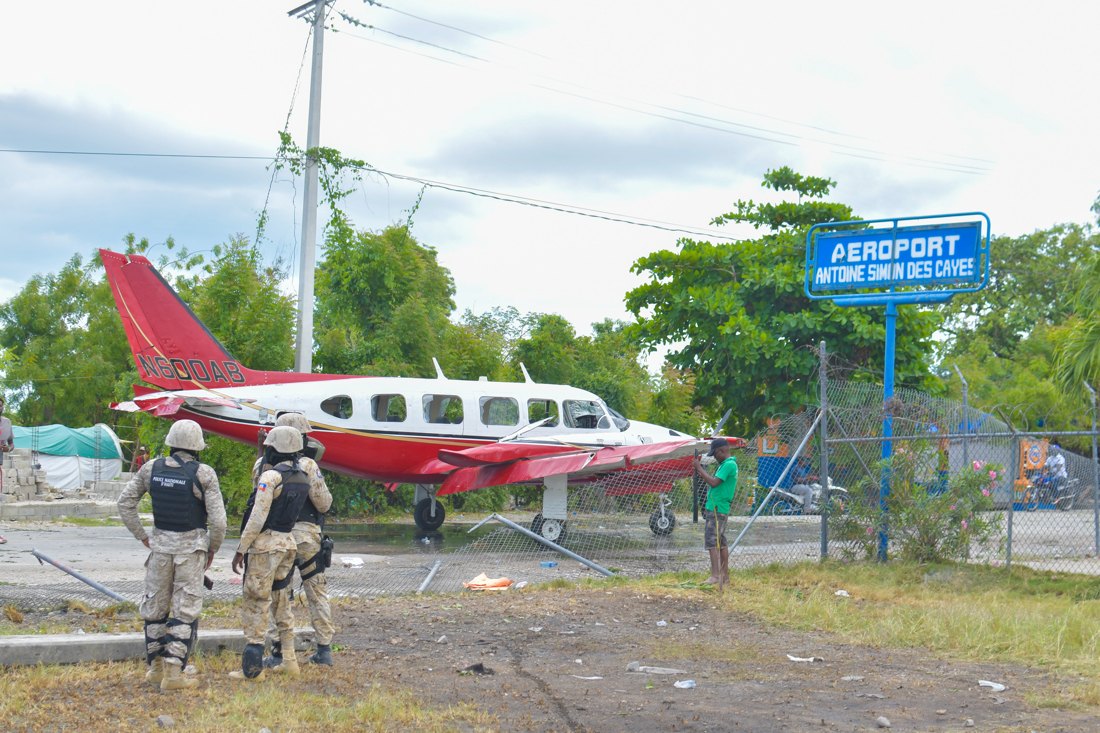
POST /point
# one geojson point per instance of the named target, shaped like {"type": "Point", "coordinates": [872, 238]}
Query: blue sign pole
{"type": "Point", "coordinates": [854, 256]}
{"type": "Point", "coordinates": [887, 429]}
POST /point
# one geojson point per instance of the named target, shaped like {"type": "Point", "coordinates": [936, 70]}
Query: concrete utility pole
{"type": "Point", "coordinates": [303, 352]}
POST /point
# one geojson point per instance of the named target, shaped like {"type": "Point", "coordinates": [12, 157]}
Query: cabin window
{"type": "Point", "coordinates": [538, 409]}
{"type": "Point", "coordinates": [499, 411]}
{"type": "Point", "coordinates": [339, 406]}
{"type": "Point", "coordinates": [388, 408]}
{"type": "Point", "coordinates": [442, 409]}
{"type": "Point", "coordinates": [585, 415]}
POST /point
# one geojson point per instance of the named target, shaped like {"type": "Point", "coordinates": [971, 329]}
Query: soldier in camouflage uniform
{"type": "Point", "coordinates": [188, 528]}
{"type": "Point", "coordinates": [267, 541]}
{"type": "Point", "coordinates": [308, 558]}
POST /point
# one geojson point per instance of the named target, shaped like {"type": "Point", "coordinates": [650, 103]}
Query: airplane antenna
{"type": "Point", "coordinates": [526, 376]}
{"type": "Point", "coordinates": [438, 370]}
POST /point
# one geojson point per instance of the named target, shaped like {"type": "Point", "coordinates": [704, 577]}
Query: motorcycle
{"type": "Point", "coordinates": [1044, 492]}
{"type": "Point", "coordinates": [784, 503]}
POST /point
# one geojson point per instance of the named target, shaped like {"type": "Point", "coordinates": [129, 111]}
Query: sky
{"type": "Point", "coordinates": [655, 111]}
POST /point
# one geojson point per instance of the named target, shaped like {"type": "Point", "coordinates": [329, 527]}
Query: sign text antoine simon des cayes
{"type": "Point", "coordinates": [905, 256]}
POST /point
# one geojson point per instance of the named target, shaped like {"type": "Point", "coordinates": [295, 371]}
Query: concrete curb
{"type": "Point", "coordinates": [75, 648]}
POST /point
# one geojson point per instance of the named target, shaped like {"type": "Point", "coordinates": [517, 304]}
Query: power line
{"type": "Point", "coordinates": [864, 153]}
{"type": "Point", "coordinates": [682, 96]}
{"type": "Point", "coordinates": [454, 187]}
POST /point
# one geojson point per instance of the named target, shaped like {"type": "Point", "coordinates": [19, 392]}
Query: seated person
{"type": "Point", "coordinates": [801, 478]}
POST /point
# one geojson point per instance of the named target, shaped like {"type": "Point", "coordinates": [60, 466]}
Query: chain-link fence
{"type": "Point", "coordinates": [976, 484]}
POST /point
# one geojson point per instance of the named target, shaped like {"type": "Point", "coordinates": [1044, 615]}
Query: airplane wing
{"type": "Point", "coordinates": [652, 467]}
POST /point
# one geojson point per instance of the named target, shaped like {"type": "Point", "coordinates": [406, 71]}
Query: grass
{"type": "Point", "coordinates": [119, 700]}
{"type": "Point", "coordinates": [91, 521]}
{"type": "Point", "coordinates": [967, 612]}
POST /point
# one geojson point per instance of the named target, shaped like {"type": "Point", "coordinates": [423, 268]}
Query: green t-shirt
{"type": "Point", "coordinates": [722, 494]}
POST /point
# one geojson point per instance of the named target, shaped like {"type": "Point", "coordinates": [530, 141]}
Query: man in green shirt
{"type": "Point", "coordinates": [723, 485]}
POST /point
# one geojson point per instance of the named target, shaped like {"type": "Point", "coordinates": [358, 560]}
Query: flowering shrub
{"type": "Point", "coordinates": [930, 519]}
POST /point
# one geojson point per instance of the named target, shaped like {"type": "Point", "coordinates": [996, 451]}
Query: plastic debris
{"type": "Point", "coordinates": [804, 659]}
{"type": "Point", "coordinates": [843, 594]}
{"type": "Point", "coordinates": [441, 640]}
{"type": "Point", "coordinates": [662, 623]}
{"type": "Point", "coordinates": [995, 686]}
{"type": "Point", "coordinates": [851, 679]}
{"type": "Point", "coordinates": [883, 722]}
{"type": "Point", "coordinates": [635, 667]}
{"type": "Point", "coordinates": [872, 694]}
{"type": "Point", "coordinates": [969, 723]}
{"type": "Point", "coordinates": [521, 584]}
{"type": "Point", "coordinates": [579, 661]}
{"type": "Point", "coordinates": [191, 669]}
{"type": "Point", "coordinates": [79, 631]}
{"type": "Point", "coordinates": [235, 581]}
{"type": "Point", "coordinates": [684, 684]}
{"type": "Point", "coordinates": [483, 582]}
{"type": "Point", "coordinates": [536, 629]}
{"type": "Point", "coordinates": [585, 678]}
{"type": "Point", "coordinates": [352, 562]}
{"type": "Point", "coordinates": [547, 564]}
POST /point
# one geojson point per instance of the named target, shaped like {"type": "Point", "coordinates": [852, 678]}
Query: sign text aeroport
{"type": "Point", "coordinates": [921, 255]}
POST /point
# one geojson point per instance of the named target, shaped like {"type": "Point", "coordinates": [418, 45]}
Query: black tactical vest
{"type": "Point", "coordinates": [288, 505]}
{"type": "Point", "coordinates": [175, 508]}
{"type": "Point", "coordinates": [309, 512]}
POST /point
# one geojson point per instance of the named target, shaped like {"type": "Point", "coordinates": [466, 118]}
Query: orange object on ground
{"type": "Point", "coordinates": [483, 582]}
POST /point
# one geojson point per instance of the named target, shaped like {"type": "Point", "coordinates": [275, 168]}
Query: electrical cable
{"type": "Point", "coordinates": [454, 187]}
{"type": "Point", "coordinates": [353, 21]}
{"type": "Point", "coordinates": [870, 154]}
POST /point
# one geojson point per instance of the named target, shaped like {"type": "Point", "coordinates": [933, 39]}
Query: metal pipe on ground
{"type": "Point", "coordinates": [542, 540]}
{"type": "Point", "coordinates": [101, 588]}
{"type": "Point", "coordinates": [786, 470]}
{"type": "Point", "coordinates": [431, 574]}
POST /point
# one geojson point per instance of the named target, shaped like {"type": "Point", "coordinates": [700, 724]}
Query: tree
{"type": "Point", "coordinates": [746, 326]}
{"type": "Point", "coordinates": [383, 304]}
{"type": "Point", "coordinates": [1032, 282]}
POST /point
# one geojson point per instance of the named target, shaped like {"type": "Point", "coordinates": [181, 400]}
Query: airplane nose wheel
{"type": "Point", "coordinates": [422, 515]}
{"type": "Point", "coordinates": [662, 524]}
{"type": "Point", "coordinates": [551, 529]}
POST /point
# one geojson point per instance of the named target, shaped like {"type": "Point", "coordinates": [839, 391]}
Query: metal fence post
{"type": "Point", "coordinates": [966, 417]}
{"type": "Point", "coordinates": [1095, 479]}
{"type": "Point", "coordinates": [1014, 471]}
{"type": "Point", "coordinates": [824, 478]}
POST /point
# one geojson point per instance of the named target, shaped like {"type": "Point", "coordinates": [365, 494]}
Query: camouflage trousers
{"type": "Point", "coordinates": [308, 537]}
{"type": "Point", "coordinates": [261, 572]}
{"type": "Point", "coordinates": [172, 603]}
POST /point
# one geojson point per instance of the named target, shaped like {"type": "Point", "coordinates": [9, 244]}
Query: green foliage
{"type": "Point", "coordinates": [739, 321]}
{"type": "Point", "coordinates": [930, 519]}
{"type": "Point", "coordinates": [799, 215]}
{"type": "Point", "coordinates": [1032, 283]}
{"type": "Point", "coordinates": [64, 348]}
{"type": "Point", "coordinates": [1079, 358]}
{"type": "Point", "coordinates": [383, 302]}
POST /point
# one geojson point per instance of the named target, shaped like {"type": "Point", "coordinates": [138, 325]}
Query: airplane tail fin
{"type": "Point", "coordinates": [171, 346]}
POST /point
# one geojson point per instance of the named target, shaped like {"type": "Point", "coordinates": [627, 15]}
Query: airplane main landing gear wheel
{"type": "Point", "coordinates": [662, 524]}
{"type": "Point", "coordinates": [422, 515]}
{"type": "Point", "coordinates": [551, 529]}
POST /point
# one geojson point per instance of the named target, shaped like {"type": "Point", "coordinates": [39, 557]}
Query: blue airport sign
{"type": "Point", "coordinates": [942, 254]}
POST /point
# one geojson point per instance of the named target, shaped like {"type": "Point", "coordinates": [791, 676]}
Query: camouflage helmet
{"type": "Point", "coordinates": [284, 439]}
{"type": "Point", "coordinates": [185, 434]}
{"type": "Point", "coordinates": [295, 420]}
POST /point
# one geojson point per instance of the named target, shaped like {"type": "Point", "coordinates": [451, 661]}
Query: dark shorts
{"type": "Point", "coordinates": [714, 531]}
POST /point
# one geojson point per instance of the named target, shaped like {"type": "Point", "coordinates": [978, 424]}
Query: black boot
{"type": "Point", "coordinates": [276, 657]}
{"type": "Point", "coordinates": [252, 660]}
{"type": "Point", "coordinates": [322, 656]}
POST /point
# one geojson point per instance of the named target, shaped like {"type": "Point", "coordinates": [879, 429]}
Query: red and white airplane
{"type": "Point", "coordinates": [443, 435]}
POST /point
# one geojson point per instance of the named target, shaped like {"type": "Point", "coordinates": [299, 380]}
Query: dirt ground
{"type": "Point", "coordinates": [744, 680]}
{"type": "Point", "coordinates": [541, 645]}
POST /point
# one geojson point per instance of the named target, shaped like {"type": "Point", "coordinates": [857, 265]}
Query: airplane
{"type": "Point", "coordinates": [443, 435]}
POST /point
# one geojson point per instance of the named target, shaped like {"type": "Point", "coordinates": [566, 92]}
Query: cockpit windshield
{"type": "Point", "coordinates": [586, 415]}
{"type": "Point", "coordinates": [620, 422]}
